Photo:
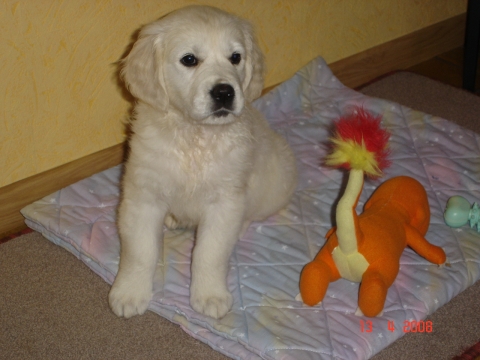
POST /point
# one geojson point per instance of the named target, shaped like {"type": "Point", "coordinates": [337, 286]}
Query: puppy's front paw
{"type": "Point", "coordinates": [211, 303]}
{"type": "Point", "coordinates": [131, 297]}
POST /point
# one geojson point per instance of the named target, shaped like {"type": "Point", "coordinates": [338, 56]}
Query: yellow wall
{"type": "Point", "coordinates": [59, 99]}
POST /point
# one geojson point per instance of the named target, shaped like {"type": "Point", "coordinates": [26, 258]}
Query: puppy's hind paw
{"type": "Point", "coordinates": [170, 222]}
{"type": "Point", "coordinates": [215, 305]}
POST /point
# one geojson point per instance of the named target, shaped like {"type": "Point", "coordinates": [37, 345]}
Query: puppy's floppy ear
{"type": "Point", "coordinates": [254, 67]}
{"type": "Point", "coordinates": [143, 70]}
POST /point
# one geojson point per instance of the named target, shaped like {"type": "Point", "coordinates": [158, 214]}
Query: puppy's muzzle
{"type": "Point", "coordinates": [223, 96]}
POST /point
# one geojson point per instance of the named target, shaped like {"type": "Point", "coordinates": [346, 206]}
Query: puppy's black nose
{"type": "Point", "coordinates": [223, 95]}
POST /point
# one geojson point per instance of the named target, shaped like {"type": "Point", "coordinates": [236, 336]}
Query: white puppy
{"type": "Point", "coordinates": [200, 154]}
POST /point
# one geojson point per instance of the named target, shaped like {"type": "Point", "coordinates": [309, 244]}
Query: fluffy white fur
{"type": "Point", "coordinates": [192, 161]}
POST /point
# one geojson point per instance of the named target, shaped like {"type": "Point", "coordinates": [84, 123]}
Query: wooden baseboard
{"type": "Point", "coordinates": [401, 53]}
{"type": "Point", "coordinates": [353, 71]}
{"type": "Point", "coordinates": [15, 196]}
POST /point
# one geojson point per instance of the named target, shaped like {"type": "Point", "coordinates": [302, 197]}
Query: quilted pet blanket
{"type": "Point", "coordinates": [266, 321]}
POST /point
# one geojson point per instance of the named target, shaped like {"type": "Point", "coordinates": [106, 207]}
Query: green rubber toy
{"type": "Point", "coordinates": [458, 212]}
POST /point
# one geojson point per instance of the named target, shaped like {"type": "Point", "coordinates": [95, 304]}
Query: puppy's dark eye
{"type": "Point", "coordinates": [235, 58]}
{"type": "Point", "coordinates": [189, 60]}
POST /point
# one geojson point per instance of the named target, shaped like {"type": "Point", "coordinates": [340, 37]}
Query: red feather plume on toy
{"type": "Point", "coordinates": [360, 143]}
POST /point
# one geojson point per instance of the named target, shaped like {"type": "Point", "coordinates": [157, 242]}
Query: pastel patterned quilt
{"type": "Point", "coordinates": [266, 321]}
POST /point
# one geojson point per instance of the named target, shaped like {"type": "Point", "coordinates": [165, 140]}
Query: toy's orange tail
{"type": "Point", "coordinates": [360, 145]}
{"type": "Point", "coordinates": [348, 231]}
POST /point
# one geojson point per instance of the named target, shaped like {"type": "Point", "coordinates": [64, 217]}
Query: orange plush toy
{"type": "Point", "coordinates": [366, 248]}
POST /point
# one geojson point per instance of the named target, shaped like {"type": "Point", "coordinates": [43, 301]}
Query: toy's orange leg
{"type": "Point", "coordinates": [423, 248]}
{"type": "Point", "coordinates": [373, 292]}
{"type": "Point", "coordinates": [316, 276]}
{"type": "Point", "coordinates": [314, 282]}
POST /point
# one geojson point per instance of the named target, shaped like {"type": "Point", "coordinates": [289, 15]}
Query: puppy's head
{"type": "Point", "coordinates": [200, 61]}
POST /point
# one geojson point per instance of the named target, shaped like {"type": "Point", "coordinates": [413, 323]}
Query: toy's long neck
{"type": "Point", "coordinates": [348, 231]}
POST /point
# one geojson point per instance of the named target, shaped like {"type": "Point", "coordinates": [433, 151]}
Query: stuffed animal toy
{"type": "Point", "coordinates": [366, 248]}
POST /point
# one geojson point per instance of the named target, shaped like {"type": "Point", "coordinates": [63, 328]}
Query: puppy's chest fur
{"type": "Point", "coordinates": [197, 161]}
{"type": "Point", "coordinates": [199, 152]}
